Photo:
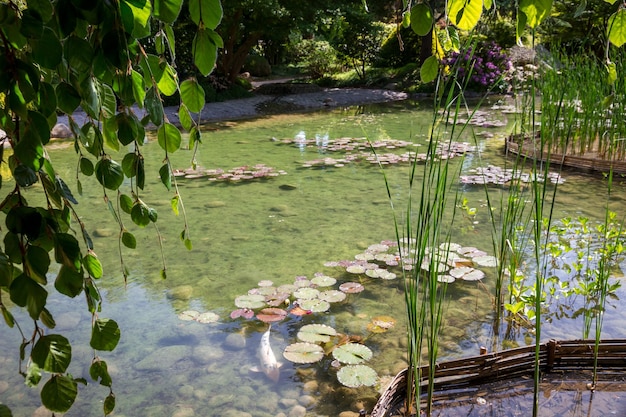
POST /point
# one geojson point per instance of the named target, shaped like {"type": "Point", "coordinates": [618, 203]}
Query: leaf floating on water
{"type": "Point", "coordinates": [271, 314]}
{"type": "Point", "coordinates": [332, 296]}
{"type": "Point", "coordinates": [356, 269]}
{"type": "Point", "coordinates": [475, 275]}
{"type": "Point", "coordinates": [316, 333]}
{"type": "Point", "coordinates": [460, 272]}
{"type": "Point", "coordinates": [486, 260]}
{"type": "Point", "coordinates": [352, 353]}
{"type": "Point", "coordinates": [208, 317]}
{"type": "Point", "coordinates": [303, 352]}
{"type": "Point", "coordinates": [323, 281]}
{"type": "Point", "coordinates": [351, 287]}
{"type": "Point", "coordinates": [446, 279]}
{"type": "Point", "coordinates": [246, 313]}
{"type": "Point", "coordinates": [381, 324]}
{"type": "Point", "coordinates": [265, 283]}
{"type": "Point", "coordinates": [314, 306]}
{"type": "Point", "coordinates": [354, 376]}
{"type": "Point", "coordinates": [251, 301]}
{"type": "Point", "coordinates": [189, 315]}
{"type": "Point", "coordinates": [306, 293]}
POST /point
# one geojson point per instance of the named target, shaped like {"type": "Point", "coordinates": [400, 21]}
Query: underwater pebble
{"type": "Point", "coordinates": [235, 341]}
{"type": "Point", "coordinates": [288, 402]}
{"type": "Point", "coordinates": [182, 292]}
{"type": "Point", "coordinates": [42, 412]}
{"type": "Point", "coordinates": [310, 386]}
{"type": "Point", "coordinates": [186, 391]}
{"type": "Point", "coordinates": [231, 412]}
{"type": "Point", "coordinates": [103, 232]}
{"type": "Point", "coordinates": [348, 414]}
{"type": "Point", "coordinates": [4, 385]}
{"type": "Point", "coordinates": [215, 204]}
{"type": "Point", "coordinates": [200, 394]}
{"type": "Point", "coordinates": [268, 402]}
{"type": "Point", "coordinates": [297, 411]}
{"type": "Point", "coordinates": [207, 354]}
{"type": "Point", "coordinates": [184, 412]}
{"type": "Point", "coordinates": [164, 358]}
{"type": "Point", "coordinates": [307, 400]}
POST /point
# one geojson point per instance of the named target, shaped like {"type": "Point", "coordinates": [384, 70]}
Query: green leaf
{"type": "Point", "coordinates": [67, 250]}
{"type": "Point", "coordinates": [535, 11]}
{"type": "Point", "coordinates": [38, 262]}
{"type": "Point", "coordinates": [99, 371]}
{"type": "Point", "coordinates": [42, 7]}
{"type": "Point", "coordinates": [139, 90]}
{"type": "Point", "coordinates": [109, 404]}
{"type": "Point", "coordinates": [207, 11]}
{"type": "Point", "coordinates": [174, 204]}
{"type": "Point", "coordinates": [421, 19]}
{"type": "Point", "coordinates": [69, 282]}
{"type": "Point", "coordinates": [52, 353]}
{"type": "Point", "coordinates": [184, 117]}
{"type": "Point", "coordinates": [192, 95]}
{"type": "Point", "coordinates": [27, 293]}
{"type": "Point", "coordinates": [8, 317]}
{"type": "Point", "coordinates": [128, 240]}
{"type": "Point", "coordinates": [32, 24]}
{"type": "Point", "coordinates": [68, 99]}
{"type": "Point", "coordinates": [163, 73]}
{"type": "Point", "coordinates": [6, 271]}
{"type": "Point", "coordinates": [488, 4]}
{"type": "Point", "coordinates": [109, 133]}
{"type": "Point", "coordinates": [617, 28]}
{"type": "Point", "coordinates": [169, 137]}
{"type": "Point", "coordinates": [126, 203]}
{"type": "Point", "coordinates": [140, 214]}
{"type": "Point", "coordinates": [92, 265]}
{"type": "Point", "coordinates": [429, 69]}
{"type": "Point", "coordinates": [465, 14]}
{"type": "Point", "coordinates": [167, 10]}
{"type": "Point", "coordinates": [611, 69]}
{"type": "Point", "coordinates": [86, 166]}
{"type": "Point", "coordinates": [105, 335]}
{"type": "Point", "coordinates": [59, 393]}
{"type": "Point", "coordinates": [154, 107]}
{"type": "Point", "coordinates": [78, 54]}
{"type": "Point", "coordinates": [109, 173]}
{"type": "Point", "coordinates": [204, 50]}
{"type": "Point", "coordinates": [188, 244]}
{"type": "Point", "coordinates": [48, 51]}
{"type": "Point", "coordinates": [194, 137]}
{"type": "Point", "coordinates": [129, 164]}
{"type": "Point", "coordinates": [139, 18]}
{"type": "Point", "coordinates": [166, 176]}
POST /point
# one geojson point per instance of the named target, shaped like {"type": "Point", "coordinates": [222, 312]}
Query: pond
{"type": "Point", "coordinates": [307, 221]}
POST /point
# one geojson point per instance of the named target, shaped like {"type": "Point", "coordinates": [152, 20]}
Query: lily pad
{"type": "Point", "coordinates": [352, 353]}
{"type": "Point", "coordinates": [316, 333]}
{"type": "Point", "coordinates": [332, 296]}
{"type": "Point", "coordinates": [314, 306]}
{"type": "Point", "coordinates": [365, 256]}
{"type": "Point", "coordinates": [445, 278]}
{"type": "Point", "coordinates": [486, 261]}
{"type": "Point", "coordinates": [208, 317]}
{"type": "Point", "coordinates": [246, 313]}
{"type": "Point", "coordinates": [475, 275]}
{"type": "Point", "coordinates": [189, 315]}
{"type": "Point", "coordinates": [460, 272]}
{"type": "Point", "coordinates": [323, 281]}
{"type": "Point", "coordinates": [265, 283]}
{"type": "Point", "coordinates": [354, 376]}
{"type": "Point", "coordinates": [306, 293]}
{"type": "Point", "coordinates": [356, 269]}
{"type": "Point", "coordinates": [351, 287]}
{"type": "Point", "coordinates": [251, 301]}
{"type": "Point", "coordinates": [271, 314]}
{"type": "Point", "coordinates": [303, 352]}
{"type": "Point", "coordinates": [381, 324]}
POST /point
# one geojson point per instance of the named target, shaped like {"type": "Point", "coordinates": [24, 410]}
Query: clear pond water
{"type": "Point", "coordinates": [276, 229]}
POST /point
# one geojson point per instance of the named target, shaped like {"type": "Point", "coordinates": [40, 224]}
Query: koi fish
{"type": "Point", "coordinates": [269, 365]}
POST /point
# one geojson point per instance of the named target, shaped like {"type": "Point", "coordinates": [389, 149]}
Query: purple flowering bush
{"type": "Point", "coordinates": [484, 64]}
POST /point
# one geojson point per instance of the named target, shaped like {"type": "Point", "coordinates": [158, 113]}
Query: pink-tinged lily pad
{"type": "Point", "coordinates": [302, 283]}
{"type": "Point", "coordinates": [461, 271]}
{"type": "Point", "coordinates": [351, 287]}
{"type": "Point", "coordinates": [445, 278]}
{"type": "Point", "coordinates": [271, 315]}
{"type": "Point", "coordinates": [378, 248]}
{"type": "Point", "coordinates": [251, 301]}
{"type": "Point", "coordinates": [246, 313]}
{"type": "Point", "coordinates": [316, 333]}
{"type": "Point", "coordinates": [352, 353]}
{"type": "Point", "coordinates": [356, 269]}
{"type": "Point", "coordinates": [355, 376]}
{"type": "Point", "coordinates": [306, 293]}
{"type": "Point", "coordinates": [266, 291]}
{"type": "Point", "coordinates": [189, 315]}
{"type": "Point", "coordinates": [303, 352]}
{"type": "Point", "coordinates": [475, 275]}
{"type": "Point", "coordinates": [277, 299]}
{"type": "Point", "coordinates": [365, 256]}
{"type": "Point", "coordinates": [315, 305]}
{"type": "Point", "coordinates": [208, 317]}
{"type": "Point", "coordinates": [265, 283]}
{"type": "Point", "coordinates": [332, 296]}
{"type": "Point", "coordinates": [385, 257]}
{"type": "Point", "coordinates": [450, 247]}
{"type": "Point", "coordinates": [323, 281]}
{"type": "Point", "coordinates": [299, 311]}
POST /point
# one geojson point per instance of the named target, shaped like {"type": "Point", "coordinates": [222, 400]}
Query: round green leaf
{"type": "Point", "coordinates": [169, 137]}
{"type": "Point", "coordinates": [204, 50]}
{"type": "Point", "coordinates": [167, 10]}
{"type": "Point", "coordinates": [129, 164]}
{"type": "Point", "coordinates": [429, 69]}
{"type": "Point", "coordinates": [140, 214]}
{"type": "Point", "coordinates": [251, 301]}
{"type": "Point", "coordinates": [69, 282]}
{"type": "Point", "coordinates": [192, 94]}
{"type": "Point", "coordinates": [105, 335]}
{"type": "Point", "coordinates": [617, 27]}
{"type": "Point", "coordinates": [86, 166]}
{"type": "Point", "coordinates": [316, 333]}
{"type": "Point", "coordinates": [533, 11]}
{"type": "Point", "coordinates": [128, 240]}
{"type": "Point", "coordinates": [48, 51]}
{"type": "Point", "coordinates": [59, 393]}
{"type": "Point", "coordinates": [303, 352]}
{"type": "Point", "coordinates": [126, 203]}
{"type": "Point", "coordinates": [52, 353]}
{"type": "Point", "coordinates": [352, 353]}
{"type": "Point", "coordinates": [207, 11]}
{"type": "Point", "coordinates": [109, 173]}
{"type": "Point", "coordinates": [465, 14]}
{"type": "Point", "coordinates": [92, 265]}
{"type": "Point", "coordinates": [68, 98]}
{"type": "Point", "coordinates": [354, 376]}
{"type": "Point", "coordinates": [421, 19]}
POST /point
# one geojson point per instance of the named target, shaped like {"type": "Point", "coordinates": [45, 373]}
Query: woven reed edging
{"type": "Point", "coordinates": [554, 356]}
{"type": "Point", "coordinates": [589, 164]}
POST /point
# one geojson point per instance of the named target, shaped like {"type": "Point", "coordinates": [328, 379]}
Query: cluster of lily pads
{"type": "Point", "coordinates": [499, 176]}
{"type": "Point", "coordinates": [452, 261]}
{"type": "Point", "coordinates": [480, 119]}
{"type": "Point", "coordinates": [237, 174]}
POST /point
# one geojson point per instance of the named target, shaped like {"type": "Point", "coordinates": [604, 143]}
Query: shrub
{"type": "Point", "coordinates": [483, 63]}
{"type": "Point", "coordinates": [257, 66]}
{"type": "Point", "coordinates": [391, 56]}
{"type": "Point", "coordinates": [317, 57]}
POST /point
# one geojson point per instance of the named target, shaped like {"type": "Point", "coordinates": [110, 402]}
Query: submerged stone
{"type": "Point", "coordinates": [182, 292]}
{"type": "Point", "coordinates": [163, 359]}
{"type": "Point", "coordinates": [287, 187]}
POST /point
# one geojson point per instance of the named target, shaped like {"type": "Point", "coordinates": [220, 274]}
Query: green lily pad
{"type": "Point", "coordinates": [314, 306]}
{"type": "Point", "coordinates": [352, 353]}
{"type": "Point", "coordinates": [332, 296]}
{"type": "Point", "coordinates": [323, 281]}
{"type": "Point", "coordinates": [475, 275]}
{"type": "Point", "coordinates": [316, 333]}
{"type": "Point", "coordinates": [306, 293]}
{"type": "Point", "coordinates": [356, 269]}
{"type": "Point", "coordinates": [189, 315]}
{"type": "Point", "coordinates": [365, 256]}
{"type": "Point", "coordinates": [486, 260]}
{"type": "Point", "coordinates": [351, 287]}
{"type": "Point", "coordinates": [354, 376]}
{"type": "Point", "coordinates": [251, 301]}
{"type": "Point", "coordinates": [303, 352]}
{"type": "Point", "coordinates": [208, 317]}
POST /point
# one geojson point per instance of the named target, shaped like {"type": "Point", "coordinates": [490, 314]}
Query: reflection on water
{"type": "Point", "coordinates": [274, 229]}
